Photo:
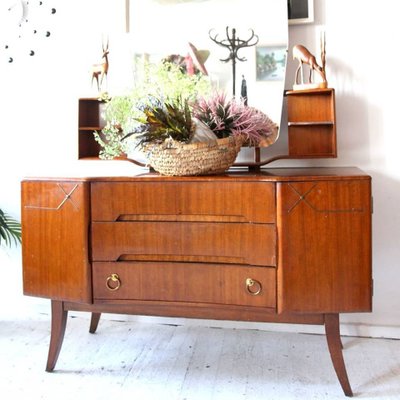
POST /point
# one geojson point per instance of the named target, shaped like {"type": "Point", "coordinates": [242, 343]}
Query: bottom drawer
{"type": "Point", "coordinates": [185, 282]}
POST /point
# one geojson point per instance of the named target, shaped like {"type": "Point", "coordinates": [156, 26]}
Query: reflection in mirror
{"type": "Point", "coordinates": [159, 28]}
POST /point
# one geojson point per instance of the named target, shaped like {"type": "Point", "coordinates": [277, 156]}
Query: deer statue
{"type": "Point", "coordinates": [303, 56]}
{"type": "Point", "coordinates": [99, 71]}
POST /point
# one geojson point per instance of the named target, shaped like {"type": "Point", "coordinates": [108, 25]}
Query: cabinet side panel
{"type": "Point", "coordinates": [55, 225]}
{"type": "Point", "coordinates": [324, 255]}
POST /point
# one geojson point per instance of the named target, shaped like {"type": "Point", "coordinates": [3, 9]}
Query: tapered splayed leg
{"type": "Point", "coordinates": [332, 330]}
{"type": "Point", "coordinates": [94, 322]}
{"type": "Point", "coordinates": [58, 325]}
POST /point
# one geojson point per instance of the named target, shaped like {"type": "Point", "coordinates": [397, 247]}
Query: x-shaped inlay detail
{"type": "Point", "coordinates": [67, 196]}
{"type": "Point", "coordinates": [302, 198]}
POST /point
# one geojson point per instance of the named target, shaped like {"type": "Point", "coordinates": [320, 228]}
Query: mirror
{"type": "Point", "coordinates": [159, 28]}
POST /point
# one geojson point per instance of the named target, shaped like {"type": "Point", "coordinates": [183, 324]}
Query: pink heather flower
{"type": "Point", "coordinates": [252, 124]}
{"type": "Point", "coordinates": [229, 117]}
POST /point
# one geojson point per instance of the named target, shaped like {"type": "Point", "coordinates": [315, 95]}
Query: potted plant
{"type": "Point", "coordinates": [177, 143]}
{"type": "Point", "coordinates": [203, 137]}
{"type": "Point", "coordinates": [166, 81]}
{"type": "Point", "coordinates": [10, 229]}
{"type": "Point", "coordinates": [180, 124]}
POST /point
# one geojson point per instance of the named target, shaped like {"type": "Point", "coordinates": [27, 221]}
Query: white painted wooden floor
{"type": "Point", "coordinates": [146, 361]}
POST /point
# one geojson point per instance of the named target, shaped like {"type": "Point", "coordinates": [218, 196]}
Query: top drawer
{"type": "Point", "coordinates": [184, 201]}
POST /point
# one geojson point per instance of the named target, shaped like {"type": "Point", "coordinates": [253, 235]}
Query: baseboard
{"type": "Point", "coordinates": [368, 330]}
{"type": "Point", "coordinates": [32, 308]}
{"type": "Point", "coordinates": [346, 329]}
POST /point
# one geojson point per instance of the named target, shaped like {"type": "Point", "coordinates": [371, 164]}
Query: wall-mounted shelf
{"type": "Point", "coordinates": [89, 120]}
{"type": "Point", "coordinates": [311, 123]}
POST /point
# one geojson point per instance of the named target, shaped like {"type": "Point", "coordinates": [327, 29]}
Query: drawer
{"type": "Point", "coordinates": [235, 243]}
{"type": "Point", "coordinates": [185, 282]}
{"type": "Point", "coordinates": [222, 201]}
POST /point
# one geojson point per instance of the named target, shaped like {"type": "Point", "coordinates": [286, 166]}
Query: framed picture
{"type": "Point", "coordinates": [270, 63]}
{"type": "Point", "coordinates": [300, 11]}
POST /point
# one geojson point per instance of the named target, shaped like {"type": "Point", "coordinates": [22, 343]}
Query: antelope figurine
{"type": "Point", "coordinates": [303, 56]}
{"type": "Point", "coordinates": [99, 71]}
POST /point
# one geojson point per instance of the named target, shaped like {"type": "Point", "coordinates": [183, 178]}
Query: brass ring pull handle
{"type": "Point", "coordinates": [113, 282]}
{"type": "Point", "coordinates": [253, 287]}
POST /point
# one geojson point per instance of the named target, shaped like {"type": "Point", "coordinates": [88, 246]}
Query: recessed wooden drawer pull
{"type": "Point", "coordinates": [113, 282]}
{"type": "Point", "coordinates": [253, 286]}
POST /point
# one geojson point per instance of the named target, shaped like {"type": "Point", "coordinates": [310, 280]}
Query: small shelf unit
{"type": "Point", "coordinates": [312, 123]}
{"type": "Point", "coordinates": [89, 120]}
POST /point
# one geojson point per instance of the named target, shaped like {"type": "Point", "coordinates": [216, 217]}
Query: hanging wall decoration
{"type": "Point", "coordinates": [24, 23]}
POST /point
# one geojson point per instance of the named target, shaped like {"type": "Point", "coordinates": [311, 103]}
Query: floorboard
{"type": "Point", "coordinates": [154, 361]}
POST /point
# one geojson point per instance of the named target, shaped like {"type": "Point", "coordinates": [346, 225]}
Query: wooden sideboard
{"type": "Point", "coordinates": [279, 245]}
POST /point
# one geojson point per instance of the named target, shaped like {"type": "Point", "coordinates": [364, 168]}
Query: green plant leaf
{"type": "Point", "coordinates": [10, 229]}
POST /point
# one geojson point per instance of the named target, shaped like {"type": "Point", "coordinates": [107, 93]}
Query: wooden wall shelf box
{"type": "Point", "coordinates": [281, 245]}
{"type": "Point", "coordinates": [311, 123]}
{"type": "Point", "coordinates": [89, 120]}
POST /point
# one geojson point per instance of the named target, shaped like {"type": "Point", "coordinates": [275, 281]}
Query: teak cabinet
{"type": "Point", "coordinates": [281, 245]}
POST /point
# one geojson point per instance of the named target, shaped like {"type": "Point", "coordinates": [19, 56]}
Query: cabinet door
{"type": "Point", "coordinates": [55, 226]}
{"type": "Point", "coordinates": [324, 253]}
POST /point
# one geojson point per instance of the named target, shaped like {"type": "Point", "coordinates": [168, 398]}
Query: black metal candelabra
{"type": "Point", "coordinates": [234, 44]}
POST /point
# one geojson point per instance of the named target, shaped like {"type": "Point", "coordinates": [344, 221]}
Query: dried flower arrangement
{"type": "Point", "coordinates": [230, 117]}
{"type": "Point", "coordinates": [184, 121]}
{"type": "Point", "coordinates": [180, 137]}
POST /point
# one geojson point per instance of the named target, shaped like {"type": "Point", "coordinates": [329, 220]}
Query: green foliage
{"type": "Point", "coordinates": [10, 229]}
{"type": "Point", "coordinates": [169, 119]}
{"type": "Point", "coordinates": [110, 140]}
{"type": "Point", "coordinates": [123, 114]}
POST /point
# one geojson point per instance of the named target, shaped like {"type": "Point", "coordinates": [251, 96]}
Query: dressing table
{"type": "Point", "coordinates": [284, 245]}
{"type": "Point", "coordinates": [278, 245]}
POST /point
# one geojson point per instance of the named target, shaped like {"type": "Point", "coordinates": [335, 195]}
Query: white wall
{"type": "Point", "coordinates": [39, 126]}
{"type": "Point", "coordinates": [362, 65]}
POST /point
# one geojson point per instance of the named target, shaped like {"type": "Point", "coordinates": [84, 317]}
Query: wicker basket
{"type": "Point", "coordinates": [178, 159]}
